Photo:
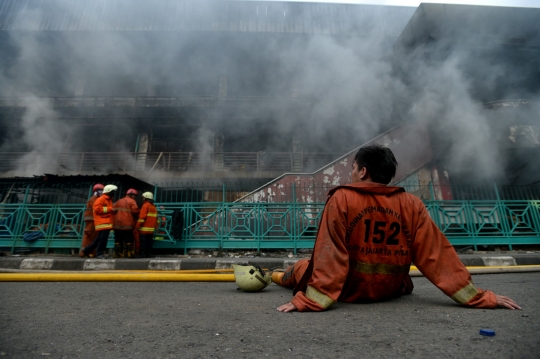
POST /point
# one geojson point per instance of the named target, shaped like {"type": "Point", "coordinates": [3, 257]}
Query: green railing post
{"type": "Point", "coordinates": [222, 208]}
{"type": "Point", "coordinates": [18, 227]}
{"type": "Point", "coordinates": [496, 191]}
{"type": "Point", "coordinates": [221, 228]}
{"type": "Point", "coordinates": [295, 230]}
{"type": "Point", "coordinates": [500, 209]}
{"type": "Point", "coordinates": [54, 219]}
{"type": "Point", "coordinates": [258, 225]}
{"type": "Point", "coordinates": [224, 190]}
{"type": "Point", "coordinates": [26, 194]}
{"type": "Point", "coordinates": [186, 228]}
{"type": "Point", "coordinates": [21, 215]}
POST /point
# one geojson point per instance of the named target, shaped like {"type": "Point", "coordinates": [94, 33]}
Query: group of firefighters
{"type": "Point", "coordinates": [133, 227]}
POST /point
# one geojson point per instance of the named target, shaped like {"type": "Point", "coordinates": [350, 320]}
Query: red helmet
{"type": "Point", "coordinates": [132, 191]}
{"type": "Point", "coordinates": [98, 187]}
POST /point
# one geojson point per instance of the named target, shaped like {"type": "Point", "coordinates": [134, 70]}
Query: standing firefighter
{"type": "Point", "coordinates": [90, 233]}
{"type": "Point", "coordinates": [147, 224]}
{"type": "Point", "coordinates": [368, 236]}
{"type": "Point", "coordinates": [124, 223]}
{"type": "Point", "coordinates": [103, 221]}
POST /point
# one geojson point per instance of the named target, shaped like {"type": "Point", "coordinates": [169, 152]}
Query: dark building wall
{"type": "Point", "coordinates": [456, 58]}
{"type": "Point", "coordinates": [94, 76]}
{"type": "Point", "coordinates": [259, 73]}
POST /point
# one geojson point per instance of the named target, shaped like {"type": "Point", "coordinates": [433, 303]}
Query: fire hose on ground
{"type": "Point", "coordinates": [205, 275]}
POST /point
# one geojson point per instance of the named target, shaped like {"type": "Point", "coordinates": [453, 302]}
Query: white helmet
{"type": "Point", "coordinates": [251, 278]}
{"type": "Point", "coordinates": [148, 195]}
{"type": "Point", "coordinates": [110, 188]}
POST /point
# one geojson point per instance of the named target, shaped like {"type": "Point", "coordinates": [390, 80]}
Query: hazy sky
{"type": "Point", "coordinates": [514, 3]}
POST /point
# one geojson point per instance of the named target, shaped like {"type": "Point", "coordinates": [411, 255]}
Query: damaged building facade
{"type": "Point", "coordinates": [208, 90]}
{"type": "Point", "coordinates": [250, 103]}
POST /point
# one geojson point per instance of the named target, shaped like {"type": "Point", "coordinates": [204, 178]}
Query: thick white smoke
{"type": "Point", "coordinates": [44, 135]}
{"type": "Point", "coordinates": [331, 92]}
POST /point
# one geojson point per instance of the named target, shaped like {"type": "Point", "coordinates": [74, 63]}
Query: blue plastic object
{"type": "Point", "coordinates": [32, 236]}
{"type": "Point", "coordinates": [487, 332]}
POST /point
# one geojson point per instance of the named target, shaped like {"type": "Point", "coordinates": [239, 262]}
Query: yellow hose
{"type": "Point", "coordinates": [203, 275]}
{"type": "Point", "coordinates": [196, 271]}
{"type": "Point", "coordinates": [115, 277]}
{"type": "Point", "coordinates": [489, 270]}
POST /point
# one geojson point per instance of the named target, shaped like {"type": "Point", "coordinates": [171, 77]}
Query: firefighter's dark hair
{"type": "Point", "coordinates": [379, 162]}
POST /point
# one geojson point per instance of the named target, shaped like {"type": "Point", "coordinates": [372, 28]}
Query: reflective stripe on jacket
{"type": "Point", "coordinates": [368, 236]}
{"type": "Point", "coordinates": [147, 222]}
{"type": "Point", "coordinates": [103, 215]}
{"type": "Point", "coordinates": [127, 213]}
{"type": "Point", "coordinates": [89, 212]}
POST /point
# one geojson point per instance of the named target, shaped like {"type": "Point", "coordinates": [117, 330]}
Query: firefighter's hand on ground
{"type": "Point", "coordinates": [505, 302]}
{"type": "Point", "coordinates": [286, 308]}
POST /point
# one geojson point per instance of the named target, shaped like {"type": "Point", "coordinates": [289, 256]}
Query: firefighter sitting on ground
{"type": "Point", "coordinates": [368, 236]}
{"type": "Point", "coordinates": [90, 232]}
{"type": "Point", "coordinates": [103, 221]}
{"type": "Point", "coordinates": [147, 224]}
{"type": "Point", "coordinates": [124, 224]}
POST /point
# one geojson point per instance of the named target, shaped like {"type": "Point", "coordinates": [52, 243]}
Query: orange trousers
{"type": "Point", "coordinates": [136, 241]}
{"type": "Point", "coordinates": [90, 234]}
{"type": "Point", "coordinates": [294, 274]}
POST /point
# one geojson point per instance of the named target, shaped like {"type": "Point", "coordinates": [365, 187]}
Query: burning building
{"type": "Point", "coordinates": [192, 89]}
{"type": "Point", "coordinates": [219, 90]}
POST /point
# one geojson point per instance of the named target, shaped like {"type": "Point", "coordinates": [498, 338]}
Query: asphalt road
{"type": "Point", "coordinates": [214, 320]}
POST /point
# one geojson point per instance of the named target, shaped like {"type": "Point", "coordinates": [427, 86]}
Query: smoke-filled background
{"type": "Point", "coordinates": [334, 79]}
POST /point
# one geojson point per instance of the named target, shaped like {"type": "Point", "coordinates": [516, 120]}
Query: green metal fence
{"type": "Point", "coordinates": [50, 226]}
{"type": "Point", "coordinates": [487, 222]}
{"type": "Point", "coordinates": [266, 225]}
{"type": "Point", "coordinates": [463, 191]}
{"type": "Point", "coordinates": [224, 224]}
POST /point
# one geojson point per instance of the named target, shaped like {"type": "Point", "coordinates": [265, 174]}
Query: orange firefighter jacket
{"type": "Point", "coordinates": [103, 215]}
{"type": "Point", "coordinates": [147, 222]}
{"type": "Point", "coordinates": [368, 236]}
{"type": "Point", "coordinates": [128, 210]}
{"type": "Point", "coordinates": [89, 212]}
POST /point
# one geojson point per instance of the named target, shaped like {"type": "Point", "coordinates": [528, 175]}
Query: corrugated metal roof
{"type": "Point", "coordinates": [127, 180]}
{"type": "Point", "coordinates": [201, 15]}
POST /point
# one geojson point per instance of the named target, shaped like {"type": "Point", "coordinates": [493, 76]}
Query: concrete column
{"type": "Point", "coordinates": [297, 155]}
{"type": "Point", "coordinates": [141, 154]}
{"type": "Point", "coordinates": [219, 139]}
{"type": "Point", "coordinates": [223, 86]}
{"type": "Point", "coordinates": [79, 86]}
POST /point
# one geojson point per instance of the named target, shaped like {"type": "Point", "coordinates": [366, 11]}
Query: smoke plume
{"type": "Point", "coordinates": [257, 88]}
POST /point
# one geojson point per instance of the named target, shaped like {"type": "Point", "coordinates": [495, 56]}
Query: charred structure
{"type": "Point", "coordinates": [222, 90]}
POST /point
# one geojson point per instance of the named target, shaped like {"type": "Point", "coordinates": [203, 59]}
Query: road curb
{"type": "Point", "coordinates": [174, 264]}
